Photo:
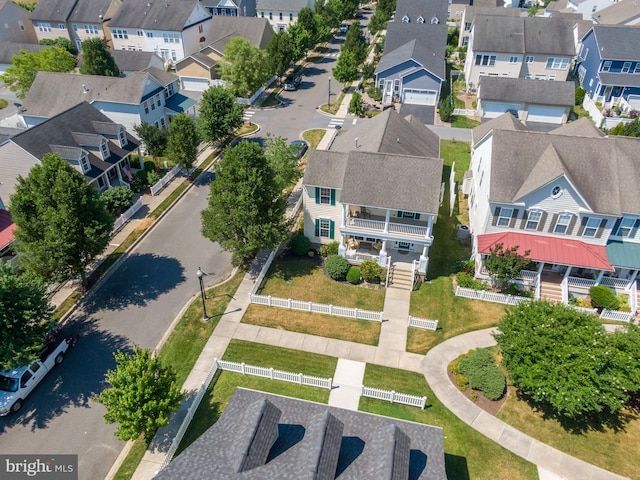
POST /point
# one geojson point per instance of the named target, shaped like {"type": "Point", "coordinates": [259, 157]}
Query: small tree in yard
{"type": "Point", "coordinates": [337, 266]}
{"type": "Point", "coordinates": [346, 69]}
{"type": "Point", "coordinates": [97, 60]}
{"type": "Point", "coordinates": [182, 145]}
{"type": "Point", "coordinates": [445, 109]}
{"type": "Point", "coordinates": [283, 160]}
{"type": "Point", "coordinates": [154, 138]}
{"type": "Point", "coordinates": [142, 396]}
{"type": "Point", "coordinates": [355, 105]}
{"type": "Point", "coordinates": [504, 265]}
{"type": "Point", "coordinates": [219, 115]}
{"type": "Point", "coordinates": [117, 199]}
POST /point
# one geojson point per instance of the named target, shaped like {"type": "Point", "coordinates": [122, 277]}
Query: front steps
{"type": "Point", "coordinates": [400, 277]}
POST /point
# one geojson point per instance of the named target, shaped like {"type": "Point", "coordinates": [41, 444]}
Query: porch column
{"type": "Point", "coordinates": [540, 268]}
{"type": "Point", "coordinates": [430, 227]}
{"type": "Point", "coordinates": [106, 177]}
{"type": "Point", "coordinates": [140, 159]}
{"type": "Point", "coordinates": [120, 179]}
{"type": "Point", "coordinates": [424, 260]}
{"type": "Point", "coordinates": [386, 221]}
{"type": "Point", "coordinates": [599, 279]}
{"type": "Point", "coordinates": [633, 278]}
{"type": "Point", "coordinates": [344, 216]}
{"type": "Point", "coordinates": [342, 249]}
{"type": "Point", "coordinates": [382, 258]}
{"type": "Point", "coordinates": [568, 272]}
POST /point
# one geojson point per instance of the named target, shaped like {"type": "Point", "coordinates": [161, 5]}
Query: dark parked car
{"type": "Point", "coordinates": [302, 147]}
{"type": "Point", "coordinates": [292, 82]}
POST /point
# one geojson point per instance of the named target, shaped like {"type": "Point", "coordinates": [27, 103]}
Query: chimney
{"type": "Point", "coordinates": [84, 89]}
{"type": "Point", "coordinates": [356, 143]}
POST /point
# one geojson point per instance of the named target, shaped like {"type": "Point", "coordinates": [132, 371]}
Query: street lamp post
{"type": "Point", "coordinates": [201, 274]}
{"type": "Point", "coordinates": [329, 97]}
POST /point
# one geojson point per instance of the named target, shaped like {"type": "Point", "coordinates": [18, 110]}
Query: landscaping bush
{"type": "Point", "coordinates": [466, 280]}
{"type": "Point", "coordinates": [139, 180]}
{"type": "Point", "coordinates": [603, 297]}
{"type": "Point", "coordinates": [623, 303]}
{"type": "Point", "coordinates": [454, 367]}
{"type": "Point", "coordinates": [461, 381]}
{"type": "Point", "coordinates": [337, 267]}
{"type": "Point", "coordinates": [483, 373]}
{"type": "Point", "coordinates": [514, 289]}
{"type": "Point", "coordinates": [150, 166]}
{"type": "Point", "coordinates": [329, 249]}
{"type": "Point", "coordinates": [300, 244]}
{"type": "Point", "coordinates": [117, 199]}
{"type": "Point", "coordinates": [152, 177]}
{"type": "Point", "coordinates": [371, 272]}
{"type": "Point", "coordinates": [353, 275]}
{"type": "Point", "coordinates": [579, 96]}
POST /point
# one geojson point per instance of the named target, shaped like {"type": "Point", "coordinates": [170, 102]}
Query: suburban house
{"type": "Point", "coordinates": [471, 12]}
{"type": "Point", "coordinates": [569, 197]}
{"type": "Point", "coordinates": [623, 12]}
{"type": "Point", "coordinates": [519, 47]}
{"type": "Point", "coordinates": [129, 61]}
{"type": "Point", "coordinates": [171, 29]}
{"type": "Point", "coordinates": [199, 71]}
{"type": "Point", "coordinates": [375, 192]}
{"type": "Point", "coordinates": [281, 13]}
{"type": "Point", "coordinates": [150, 96]}
{"type": "Point", "coordinates": [532, 102]}
{"type": "Point", "coordinates": [585, 8]}
{"type": "Point", "coordinates": [17, 24]}
{"type": "Point", "coordinates": [74, 19]}
{"type": "Point", "coordinates": [272, 437]}
{"type": "Point", "coordinates": [8, 50]}
{"type": "Point", "coordinates": [608, 68]}
{"type": "Point", "coordinates": [96, 146]}
{"type": "Point", "coordinates": [230, 8]}
{"type": "Point", "coordinates": [411, 70]}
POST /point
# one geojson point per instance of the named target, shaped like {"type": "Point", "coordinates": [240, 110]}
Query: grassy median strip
{"type": "Point", "coordinates": [468, 453]}
{"type": "Point", "coordinates": [313, 137]}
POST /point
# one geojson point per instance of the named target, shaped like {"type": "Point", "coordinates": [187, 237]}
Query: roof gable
{"type": "Point", "coordinates": [53, 10]}
{"type": "Point", "coordinates": [171, 16]}
{"type": "Point", "coordinates": [617, 42]}
{"type": "Point", "coordinates": [526, 91]}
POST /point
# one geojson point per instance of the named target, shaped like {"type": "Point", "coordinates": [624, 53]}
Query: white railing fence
{"type": "Point", "coordinates": [633, 297]}
{"type": "Point", "coordinates": [124, 218]}
{"type": "Point", "coordinates": [386, 280]}
{"type": "Point", "coordinates": [394, 397]}
{"type": "Point", "coordinates": [465, 112]}
{"type": "Point", "coordinates": [564, 286]}
{"type": "Point", "coordinates": [164, 180]}
{"type": "Point", "coordinates": [592, 311]}
{"type": "Point", "coordinates": [614, 282]}
{"type": "Point", "coordinates": [490, 296]}
{"type": "Point", "coordinates": [311, 307]}
{"type": "Point", "coordinates": [616, 315]}
{"type": "Point", "coordinates": [264, 271]}
{"type": "Point", "coordinates": [187, 419]}
{"type": "Point", "coordinates": [414, 266]}
{"type": "Point", "coordinates": [274, 374]}
{"type": "Point", "coordinates": [422, 323]}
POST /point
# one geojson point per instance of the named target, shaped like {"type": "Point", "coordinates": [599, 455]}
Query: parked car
{"type": "Point", "coordinates": [18, 383]}
{"type": "Point", "coordinates": [302, 147]}
{"type": "Point", "coordinates": [344, 28]}
{"type": "Point", "coordinates": [292, 82]}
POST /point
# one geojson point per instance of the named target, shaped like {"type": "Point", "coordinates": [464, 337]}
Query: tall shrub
{"type": "Point", "coordinates": [337, 267]}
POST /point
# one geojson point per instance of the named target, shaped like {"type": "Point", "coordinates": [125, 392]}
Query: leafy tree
{"type": "Point", "coordinates": [368, 70]}
{"type": "Point", "coordinates": [307, 20]}
{"type": "Point", "coordinates": [219, 115]}
{"type": "Point", "coordinates": [61, 42]}
{"type": "Point", "coordinates": [355, 105]}
{"type": "Point", "coordinates": [31, 6]}
{"type": "Point", "coordinates": [142, 396]}
{"type": "Point", "coordinates": [346, 69]}
{"type": "Point", "coordinates": [244, 66]}
{"type": "Point", "coordinates": [97, 60]}
{"type": "Point", "coordinates": [301, 40]}
{"type": "Point", "coordinates": [630, 129]}
{"type": "Point", "coordinates": [445, 109]}
{"type": "Point", "coordinates": [182, 146]}
{"type": "Point", "coordinates": [565, 362]}
{"type": "Point", "coordinates": [324, 31]}
{"type": "Point", "coordinates": [504, 265]}
{"type": "Point", "coordinates": [62, 223]}
{"type": "Point", "coordinates": [355, 43]}
{"type": "Point", "coordinates": [280, 52]}
{"type": "Point", "coordinates": [20, 75]}
{"type": "Point", "coordinates": [246, 205]}
{"type": "Point", "coordinates": [117, 199]}
{"type": "Point", "coordinates": [154, 138]}
{"type": "Point", "coordinates": [330, 12]}
{"type": "Point", "coordinates": [283, 160]}
{"type": "Point", "coordinates": [24, 309]}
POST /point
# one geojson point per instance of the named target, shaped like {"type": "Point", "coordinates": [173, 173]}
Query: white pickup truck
{"type": "Point", "coordinates": [17, 384]}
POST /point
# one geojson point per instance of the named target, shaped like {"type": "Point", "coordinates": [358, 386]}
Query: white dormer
{"type": "Point", "coordinates": [104, 149]}
{"type": "Point", "coordinates": [122, 137]}
{"type": "Point", "coordinates": [420, 19]}
{"type": "Point", "coordinates": [435, 21]}
{"type": "Point", "coordinates": [84, 162]}
{"type": "Point", "coordinates": [405, 19]}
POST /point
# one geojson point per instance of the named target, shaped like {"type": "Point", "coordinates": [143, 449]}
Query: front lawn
{"type": "Point", "coordinates": [460, 121]}
{"type": "Point", "coordinates": [304, 279]}
{"type": "Point", "coordinates": [313, 137]}
{"type": "Point", "coordinates": [468, 453]}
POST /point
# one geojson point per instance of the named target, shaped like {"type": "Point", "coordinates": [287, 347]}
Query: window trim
{"type": "Point", "coordinates": [606, 66]}
{"type": "Point", "coordinates": [627, 66]}
{"type": "Point", "coordinates": [529, 59]}
{"type": "Point", "coordinates": [324, 194]}
{"type": "Point", "coordinates": [531, 221]}
{"type": "Point", "coordinates": [324, 226]}
{"type": "Point", "coordinates": [502, 216]}
{"type": "Point", "coordinates": [621, 226]}
{"type": "Point", "coordinates": [563, 220]}
{"type": "Point", "coordinates": [588, 228]}
{"type": "Point", "coordinates": [513, 59]}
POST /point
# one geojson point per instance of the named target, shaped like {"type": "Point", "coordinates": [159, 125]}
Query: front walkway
{"type": "Point", "coordinates": [347, 384]}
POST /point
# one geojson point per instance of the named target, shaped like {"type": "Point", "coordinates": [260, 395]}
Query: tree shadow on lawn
{"type": "Point", "coordinates": [598, 422]}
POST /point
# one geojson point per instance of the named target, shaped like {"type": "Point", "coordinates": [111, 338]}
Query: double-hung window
{"type": "Point", "coordinates": [557, 63]}
{"type": "Point", "coordinates": [325, 195]}
{"type": "Point", "coordinates": [504, 217]}
{"type": "Point", "coordinates": [562, 224]}
{"type": "Point", "coordinates": [626, 66]}
{"type": "Point", "coordinates": [533, 220]}
{"type": "Point", "coordinates": [324, 227]}
{"type": "Point", "coordinates": [606, 66]}
{"type": "Point", "coordinates": [529, 59]}
{"type": "Point", "coordinates": [591, 227]}
{"type": "Point", "coordinates": [625, 227]}
{"type": "Point", "coordinates": [484, 60]}
{"type": "Point", "coordinates": [513, 59]}
{"type": "Point", "coordinates": [117, 33]}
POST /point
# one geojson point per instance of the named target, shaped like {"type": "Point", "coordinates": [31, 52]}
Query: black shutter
{"type": "Point", "coordinates": [554, 219]}
{"type": "Point", "coordinates": [603, 223]}
{"type": "Point", "coordinates": [317, 227]}
{"type": "Point", "coordinates": [317, 194]}
{"type": "Point", "coordinates": [583, 223]}
{"type": "Point", "coordinates": [543, 219]}
{"type": "Point", "coordinates": [331, 229]}
{"type": "Point", "coordinates": [572, 223]}
{"type": "Point", "coordinates": [634, 230]}
{"type": "Point", "coordinates": [496, 214]}
{"type": "Point", "coordinates": [514, 216]}
{"type": "Point", "coordinates": [333, 196]}
{"type": "Point", "coordinates": [614, 230]}
{"type": "Point", "coordinates": [523, 223]}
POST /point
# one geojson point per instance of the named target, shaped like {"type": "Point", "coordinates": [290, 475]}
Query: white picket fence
{"type": "Point", "coordinates": [274, 374]}
{"type": "Point", "coordinates": [490, 296]}
{"type": "Point", "coordinates": [164, 180]}
{"type": "Point", "coordinates": [394, 397]}
{"type": "Point", "coordinates": [311, 307]}
{"type": "Point", "coordinates": [124, 218]}
{"type": "Point", "coordinates": [465, 112]}
{"type": "Point", "coordinates": [422, 323]}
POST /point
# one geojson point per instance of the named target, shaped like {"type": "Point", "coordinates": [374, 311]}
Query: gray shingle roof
{"type": "Point", "coordinates": [257, 31]}
{"type": "Point", "coordinates": [256, 432]}
{"type": "Point", "coordinates": [388, 132]}
{"type": "Point", "coordinates": [382, 180]}
{"type": "Point", "coordinates": [471, 12]}
{"type": "Point", "coordinates": [416, 8]}
{"type": "Point", "coordinates": [618, 13]}
{"type": "Point", "coordinates": [527, 91]}
{"type": "Point", "coordinates": [618, 42]}
{"type": "Point", "coordinates": [200, 58]}
{"type": "Point", "coordinates": [365, 443]}
{"type": "Point", "coordinates": [8, 50]}
{"type": "Point", "coordinates": [53, 10]}
{"type": "Point", "coordinates": [132, 61]}
{"type": "Point", "coordinates": [281, 5]}
{"type": "Point", "coordinates": [534, 35]}
{"type": "Point", "coordinates": [90, 10]}
{"type": "Point", "coordinates": [619, 79]}
{"type": "Point", "coordinates": [604, 170]}
{"type": "Point", "coordinates": [583, 127]}
{"type": "Point", "coordinates": [171, 15]}
{"type": "Point", "coordinates": [506, 121]}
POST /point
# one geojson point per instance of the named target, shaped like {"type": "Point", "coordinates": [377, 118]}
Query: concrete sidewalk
{"type": "Point", "coordinates": [347, 384]}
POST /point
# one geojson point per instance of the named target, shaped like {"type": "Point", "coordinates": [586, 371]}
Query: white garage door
{"type": "Point", "coordinates": [195, 84]}
{"type": "Point", "coordinates": [493, 109]}
{"type": "Point", "coordinates": [545, 114]}
{"type": "Point", "coordinates": [419, 97]}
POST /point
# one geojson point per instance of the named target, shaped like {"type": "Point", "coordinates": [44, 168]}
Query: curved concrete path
{"type": "Point", "coordinates": [545, 457]}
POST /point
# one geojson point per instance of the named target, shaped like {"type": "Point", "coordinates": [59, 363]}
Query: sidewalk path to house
{"type": "Point", "coordinates": [347, 384]}
{"type": "Point", "coordinates": [552, 463]}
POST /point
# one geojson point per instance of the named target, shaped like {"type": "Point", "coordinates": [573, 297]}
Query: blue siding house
{"type": "Point", "coordinates": [608, 67]}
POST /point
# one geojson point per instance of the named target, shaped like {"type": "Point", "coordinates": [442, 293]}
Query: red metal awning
{"type": "Point", "coordinates": [7, 228]}
{"type": "Point", "coordinates": [562, 251]}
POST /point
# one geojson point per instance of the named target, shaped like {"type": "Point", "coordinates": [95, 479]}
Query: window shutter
{"type": "Point", "coordinates": [331, 229]}
{"type": "Point", "coordinates": [317, 227]}
{"type": "Point", "coordinates": [554, 219]}
{"type": "Point", "coordinates": [523, 223]}
{"type": "Point", "coordinates": [514, 216]}
{"type": "Point", "coordinates": [583, 223]}
{"type": "Point", "coordinates": [572, 223]}
{"type": "Point", "coordinates": [317, 194]}
{"type": "Point", "coordinates": [634, 230]}
{"type": "Point", "coordinates": [399, 213]}
{"type": "Point", "coordinates": [603, 222]}
{"type": "Point", "coordinates": [614, 231]}
{"type": "Point", "coordinates": [417, 216]}
{"type": "Point", "coordinates": [333, 197]}
{"type": "Point", "coordinates": [496, 214]}
{"type": "Point", "coordinates": [543, 219]}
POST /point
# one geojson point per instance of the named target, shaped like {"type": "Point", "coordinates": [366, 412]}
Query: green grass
{"type": "Point", "coordinates": [272, 100]}
{"type": "Point", "coordinates": [313, 137]}
{"type": "Point", "coordinates": [468, 453]}
{"type": "Point", "coordinates": [304, 279]}
{"type": "Point", "coordinates": [460, 121]}
{"type": "Point", "coordinates": [3, 103]}
{"type": "Point", "coordinates": [335, 103]}
{"type": "Point", "coordinates": [132, 460]}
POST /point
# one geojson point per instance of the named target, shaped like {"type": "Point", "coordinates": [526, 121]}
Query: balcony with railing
{"type": "Point", "coordinates": [371, 222]}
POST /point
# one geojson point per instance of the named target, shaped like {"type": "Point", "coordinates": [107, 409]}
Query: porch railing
{"type": "Point", "coordinates": [565, 289]}
{"type": "Point", "coordinates": [414, 267]}
{"type": "Point", "coordinates": [614, 282]}
{"type": "Point", "coordinates": [360, 257]}
{"type": "Point", "coordinates": [580, 282]}
{"type": "Point", "coordinates": [633, 297]}
{"type": "Point", "coordinates": [378, 226]}
{"type": "Point", "coordinates": [616, 315]}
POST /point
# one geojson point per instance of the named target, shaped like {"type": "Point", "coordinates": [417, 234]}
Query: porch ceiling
{"type": "Point", "coordinates": [624, 254]}
{"type": "Point", "coordinates": [550, 249]}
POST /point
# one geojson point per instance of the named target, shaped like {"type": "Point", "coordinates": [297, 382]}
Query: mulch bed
{"type": "Point", "coordinates": [489, 406]}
